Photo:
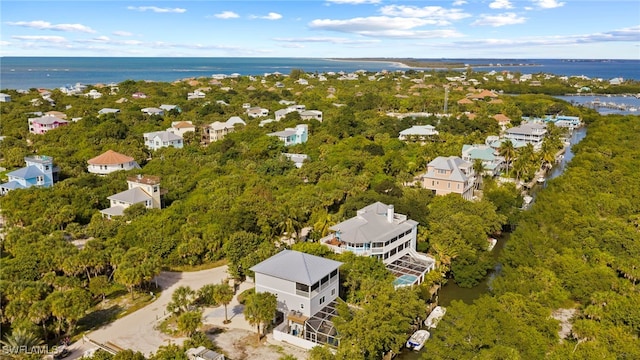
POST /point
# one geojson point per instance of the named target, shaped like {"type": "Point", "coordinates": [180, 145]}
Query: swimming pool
{"type": "Point", "coordinates": [405, 279]}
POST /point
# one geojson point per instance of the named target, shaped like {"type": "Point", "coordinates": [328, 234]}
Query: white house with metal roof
{"type": "Point", "coordinates": [491, 161]}
{"type": "Point", "coordinates": [306, 287]}
{"type": "Point", "coordinates": [531, 133]}
{"type": "Point", "coordinates": [161, 139]}
{"type": "Point", "coordinates": [418, 132]}
{"type": "Point", "coordinates": [378, 231]}
{"type": "Point", "coordinates": [141, 189]}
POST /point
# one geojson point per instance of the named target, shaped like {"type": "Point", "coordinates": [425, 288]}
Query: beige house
{"type": "Point", "coordinates": [218, 130]}
{"type": "Point", "coordinates": [181, 127]}
{"type": "Point", "coordinates": [140, 189]}
{"type": "Point", "coordinates": [449, 175]}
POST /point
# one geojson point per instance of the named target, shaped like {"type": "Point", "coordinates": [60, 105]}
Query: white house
{"type": "Point", "coordinates": [152, 111]}
{"type": "Point", "coordinates": [141, 189]}
{"type": "Point", "coordinates": [418, 132]}
{"type": "Point", "coordinates": [5, 97]}
{"type": "Point", "coordinates": [108, 111]}
{"type": "Point", "coordinates": [181, 127]}
{"type": "Point", "coordinates": [305, 286]}
{"type": "Point", "coordinates": [378, 231]}
{"type": "Point", "coordinates": [161, 139]}
{"type": "Point", "coordinates": [311, 115]}
{"type": "Point", "coordinates": [111, 161]}
{"type": "Point", "coordinates": [531, 133]}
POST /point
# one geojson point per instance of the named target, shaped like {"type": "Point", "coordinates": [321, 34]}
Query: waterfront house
{"type": "Point", "coordinates": [43, 124]}
{"type": "Point", "coordinates": [218, 130]}
{"type": "Point", "coordinates": [447, 175]}
{"type": "Point", "coordinates": [111, 161]}
{"type": "Point", "coordinates": [418, 132]}
{"type": "Point", "coordinates": [378, 231]}
{"type": "Point", "coordinates": [306, 287]}
{"type": "Point", "coordinates": [491, 161]}
{"type": "Point", "coordinates": [181, 127]}
{"type": "Point", "coordinates": [5, 97]}
{"type": "Point", "coordinates": [93, 94]}
{"type": "Point", "coordinates": [293, 136]}
{"type": "Point", "coordinates": [140, 189]}
{"type": "Point", "coordinates": [530, 133]}
{"type": "Point", "coordinates": [38, 172]}
{"type": "Point", "coordinates": [161, 139]}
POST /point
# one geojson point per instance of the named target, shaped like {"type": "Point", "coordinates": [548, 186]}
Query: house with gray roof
{"type": "Point", "coordinates": [491, 161]}
{"type": "Point", "coordinates": [378, 231]}
{"type": "Point", "coordinates": [161, 139]}
{"type": "Point", "coordinates": [530, 133]}
{"type": "Point", "coordinates": [306, 287]}
{"type": "Point", "coordinates": [418, 132]}
{"type": "Point", "coordinates": [218, 130]}
{"type": "Point", "coordinates": [152, 111]}
{"type": "Point", "coordinates": [447, 175]}
{"type": "Point", "coordinates": [141, 190]}
{"type": "Point", "coordinates": [293, 136]}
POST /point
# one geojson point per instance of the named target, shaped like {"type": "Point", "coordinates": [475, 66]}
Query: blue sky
{"type": "Point", "coordinates": [586, 29]}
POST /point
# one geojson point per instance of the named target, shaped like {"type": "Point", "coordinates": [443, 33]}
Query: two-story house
{"type": "Point", "coordinates": [306, 287]}
{"type": "Point", "coordinates": [531, 133]}
{"type": "Point", "coordinates": [293, 136]}
{"type": "Point", "coordinates": [218, 130]}
{"type": "Point", "coordinates": [378, 231]}
{"type": "Point", "coordinates": [181, 127]}
{"type": "Point", "coordinates": [161, 139]}
{"type": "Point", "coordinates": [449, 175]}
{"type": "Point", "coordinates": [38, 172]}
{"type": "Point", "coordinates": [111, 161]}
{"type": "Point", "coordinates": [141, 189]}
{"type": "Point", "coordinates": [41, 125]}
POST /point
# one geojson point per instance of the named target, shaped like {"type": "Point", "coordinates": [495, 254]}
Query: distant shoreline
{"type": "Point", "coordinates": [418, 64]}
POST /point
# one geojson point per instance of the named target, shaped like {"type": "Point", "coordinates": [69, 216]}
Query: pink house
{"type": "Point", "coordinates": [43, 124]}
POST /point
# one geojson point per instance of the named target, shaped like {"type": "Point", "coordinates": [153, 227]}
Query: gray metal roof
{"type": "Point", "coordinates": [132, 196]}
{"type": "Point", "coordinates": [452, 164]}
{"type": "Point", "coordinates": [297, 266]}
{"type": "Point", "coordinates": [371, 224]}
{"type": "Point", "coordinates": [165, 136]}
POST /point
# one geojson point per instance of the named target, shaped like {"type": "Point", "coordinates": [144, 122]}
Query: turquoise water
{"type": "Point", "coordinates": [54, 72]}
{"type": "Point", "coordinates": [405, 279]}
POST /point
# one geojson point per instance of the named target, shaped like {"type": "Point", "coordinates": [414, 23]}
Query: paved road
{"type": "Point", "coordinates": [137, 331]}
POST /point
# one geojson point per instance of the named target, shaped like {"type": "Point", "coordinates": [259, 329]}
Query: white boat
{"type": "Point", "coordinates": [492, 243]}
{"type": "Point", "coordinates": [417, 340]}
{"type": "Point", "coordinates": [540, 180]}
{"type": "Point", "coordinates": [527, 199]}
{"type": "Point", "coordinates": [434, 318]}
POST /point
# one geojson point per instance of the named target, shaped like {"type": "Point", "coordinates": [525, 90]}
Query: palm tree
{"type": "Point", "coordinates": [478, 169]}
{"type": "Point", "coordinates": [547, 153]}
{"type": "Point", "coordinates": [223, 294]}
{"type": "Point", "coordinates": [21, 338]}
{"type": "Point", "coordinates": [39, 313]}
{"type": "Point", "coordinates": [324, 222]}
{"type": "Point", "coordinates": [507, 151]}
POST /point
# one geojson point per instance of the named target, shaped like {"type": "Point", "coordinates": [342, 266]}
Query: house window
{"type": "Point", "coordinates": [301, 306]}
{"type": "Point", "coordinates": [322, 300]}
{"type": "Point", "coordinates": [458, 186]}
{"type": "Point", "coordinates": [155, 189]}
{"type": "Point", "coordinates": [448, 185]}
{"type": "Point", "coordinates": [433, 183]}
{"type": "Point", "coordinates": [333, 292]}
{"type": "Point", "coordinates": [40, 179]}
{"type": "Point", "coordinates": [121, 166]}
{"type": "Point", "coordinates": [46, 167]}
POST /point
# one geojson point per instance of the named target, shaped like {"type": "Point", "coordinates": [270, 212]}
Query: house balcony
{"type": "Point", "coordinates": [338, 246]}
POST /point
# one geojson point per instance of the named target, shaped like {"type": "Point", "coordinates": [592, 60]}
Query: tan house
{"type": "Point", "coordinates": [218, 130]}
{"type": "Point", "coordinates": [181, 127]}
{"type": "Point", "coordinates": [140, 189]}
{"type": "Point", "coordinates": [447, 175]}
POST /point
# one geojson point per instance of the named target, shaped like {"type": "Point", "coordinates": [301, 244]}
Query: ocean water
{"type": "Point", "coordinates": [54, 72]}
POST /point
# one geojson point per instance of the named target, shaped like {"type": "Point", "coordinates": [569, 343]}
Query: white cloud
{"type": "Point", "coordinates": [459, 3]}
{"type": "Point", "coordinates": [227, 15]}
{"type": "Point", "coordinates": [45, 25]}
{"type": "Point", "coordinates": [270, 16]}
{"type": "Point", "coordinates": [4, 43]}
{"type": "Point", "coordinates": [548, 4]}
{"type": "Point", "coordinates": [501, 4]}
{"type": "Point", "coordinates": [354, 2]}
{"type": "Point", "coordinates": [122, 33]}
{"type": "Point", "coordinates": [368, 24]}
{"type": "Point", "coordinates": [440, 14]}
{"type": "Point", "coordinates": [331, 40]}
{"type": "Point", "coordinates": [157, 9]}
{"type": "Point", "coordinates": [39, 38]}
{"type": "Point", "coordinates": [499, 20]}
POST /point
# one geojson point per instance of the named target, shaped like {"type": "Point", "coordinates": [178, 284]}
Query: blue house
{"type": "Point", "coordinates": [38, 172]}
{"type": "Point", "coordinates": [293, 136]}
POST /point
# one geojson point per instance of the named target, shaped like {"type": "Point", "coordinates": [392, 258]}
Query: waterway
{"type": "Point", "coordinates": [451, 291]}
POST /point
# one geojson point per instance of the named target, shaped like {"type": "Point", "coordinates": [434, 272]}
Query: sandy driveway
{"type": "Point", "coordinates": [137, 331]}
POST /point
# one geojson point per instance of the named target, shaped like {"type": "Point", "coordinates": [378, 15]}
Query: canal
{"type": "Point", "coordinates": [451, 291]}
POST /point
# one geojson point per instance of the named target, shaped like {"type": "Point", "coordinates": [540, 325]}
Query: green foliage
{"type": "Point", "coordinates": [181, 300]}
{"type": "Point", "coordinates": [260, 308]}
{"type": "Point", "coordinates": [189, 322]}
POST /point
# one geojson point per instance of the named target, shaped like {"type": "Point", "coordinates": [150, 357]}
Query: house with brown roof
{"type": "Point", "coordinates": [502, 119]}
{"type": "Point", "coordinates": [483, 94]}
{"type": "Point", "coordinates": [181, 127]}
{"type": "Point", "coordinates": [111, 161]}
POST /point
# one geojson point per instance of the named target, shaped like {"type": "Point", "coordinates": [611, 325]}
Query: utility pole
{"type": "Point", "coordinates": [446, 99]}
